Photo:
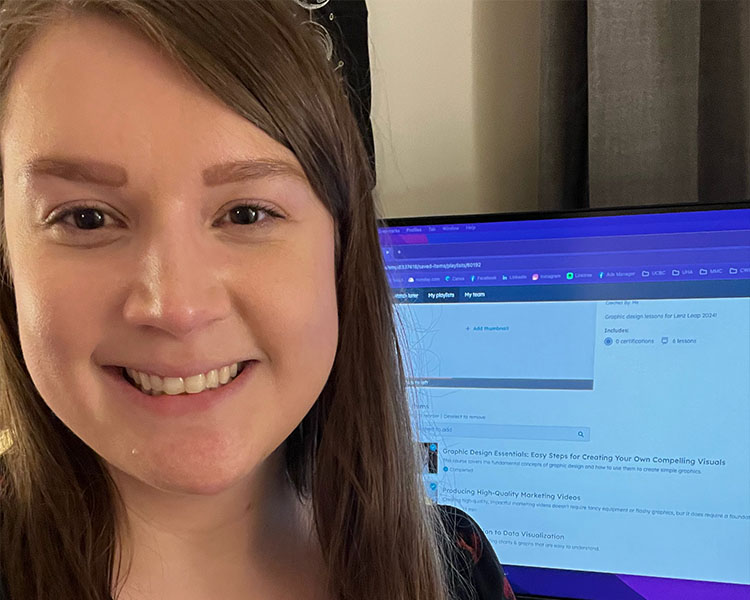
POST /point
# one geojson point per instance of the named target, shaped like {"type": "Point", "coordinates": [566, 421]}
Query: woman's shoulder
{"type": "Point", "coordinates": [475, 558]}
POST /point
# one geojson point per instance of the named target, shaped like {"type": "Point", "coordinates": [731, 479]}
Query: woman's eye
{"type": "Point", "coordinates": [250, 214]}
{"type": "Point", "coordinates": [85, 217]}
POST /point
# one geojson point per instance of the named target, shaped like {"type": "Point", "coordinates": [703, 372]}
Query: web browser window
{"type": "Point", "coordinates": [581, 387]}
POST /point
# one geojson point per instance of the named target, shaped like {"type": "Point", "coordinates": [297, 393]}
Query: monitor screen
{"type": "Point", "coordinates": [580, 382]}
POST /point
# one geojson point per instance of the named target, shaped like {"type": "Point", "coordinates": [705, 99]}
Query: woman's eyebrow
{"type": "Point", "coordinates": [111, 175]}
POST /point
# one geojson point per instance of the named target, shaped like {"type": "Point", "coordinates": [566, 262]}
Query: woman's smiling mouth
{"type": "Point", "coordinates": [194, 384]}
{"type": "Point", "coordinates": [181, 403]}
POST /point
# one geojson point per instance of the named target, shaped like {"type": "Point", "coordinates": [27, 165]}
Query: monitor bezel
{"type": "Point", "coordinates": [459, 218]}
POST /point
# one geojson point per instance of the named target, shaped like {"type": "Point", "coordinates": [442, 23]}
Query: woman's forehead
{"type": "Point", "coordinates": [123, 100]}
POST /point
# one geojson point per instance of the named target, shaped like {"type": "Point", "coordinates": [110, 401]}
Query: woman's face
{"type": "Point", "coordinates": [166, 277]}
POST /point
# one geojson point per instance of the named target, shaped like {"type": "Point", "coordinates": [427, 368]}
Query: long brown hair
{"type": "Point", "coordinates": [354, 453]}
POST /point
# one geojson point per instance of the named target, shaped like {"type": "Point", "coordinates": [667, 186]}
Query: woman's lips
{"type": "Point", "coordinates": [180, 404]}
{"type": "Point", "coordinates": [240, 367]}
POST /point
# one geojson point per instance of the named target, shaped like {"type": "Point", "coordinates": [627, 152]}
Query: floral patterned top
{"type": "Point", "coordinates": [482, 575]}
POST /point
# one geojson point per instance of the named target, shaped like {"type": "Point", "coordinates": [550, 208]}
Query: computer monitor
{"type": "Point", "coordinates": [581, 384]}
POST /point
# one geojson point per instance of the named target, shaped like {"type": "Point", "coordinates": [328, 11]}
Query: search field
{"type": "Point", "coordinates": [508, 432]}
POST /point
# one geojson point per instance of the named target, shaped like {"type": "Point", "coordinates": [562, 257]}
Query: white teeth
{"type": "Point", "coordinates": [157, 385]}
{"type": "Point", "coordinates": [194, 384]}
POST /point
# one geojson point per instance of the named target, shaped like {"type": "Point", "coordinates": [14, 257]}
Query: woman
{"type": "Point", "coordinates": [200, 376]}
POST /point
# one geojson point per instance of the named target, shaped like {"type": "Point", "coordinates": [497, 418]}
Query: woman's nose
{"type": "Point", "coordinates": [178, 285]}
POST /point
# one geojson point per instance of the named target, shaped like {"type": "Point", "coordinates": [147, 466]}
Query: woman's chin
{"type": "Point", "coordinates": [186, 474]}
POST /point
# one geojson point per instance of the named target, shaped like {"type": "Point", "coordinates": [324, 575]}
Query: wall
{"type": "Point", "coordinates": [455, 105]}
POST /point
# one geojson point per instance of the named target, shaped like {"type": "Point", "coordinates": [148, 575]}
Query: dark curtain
{"type": "Point", "coordinates": [644, 102]}
{"type": "Point", "coordinates": [346, 24]}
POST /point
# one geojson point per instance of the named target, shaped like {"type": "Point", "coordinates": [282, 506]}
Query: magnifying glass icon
{"type": "Point", "coordinates": [580, 434]}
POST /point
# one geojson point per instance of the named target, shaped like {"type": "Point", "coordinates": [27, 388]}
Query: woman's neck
{"type": "Point", "coordinates": [254, 540]}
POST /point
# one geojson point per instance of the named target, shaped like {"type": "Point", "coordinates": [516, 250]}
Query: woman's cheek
{"type": "Point", "coordinates": [303, 328]}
